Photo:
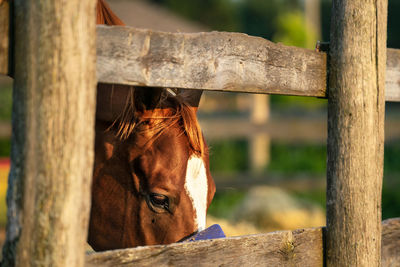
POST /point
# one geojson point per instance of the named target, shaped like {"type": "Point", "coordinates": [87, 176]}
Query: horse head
{"type": "Point", "coordinates": [151, 181]}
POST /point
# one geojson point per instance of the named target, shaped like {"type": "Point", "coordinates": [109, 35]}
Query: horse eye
{"type": "Point", "coordinates": [159, 201]}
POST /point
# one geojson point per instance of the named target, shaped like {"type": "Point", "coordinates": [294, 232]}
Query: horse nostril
{"type": "Point", "coordinates": [153, 220]}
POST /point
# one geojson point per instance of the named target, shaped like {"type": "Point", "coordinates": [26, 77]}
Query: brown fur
{"type": "Point", "coordinates": [144, 139]}
{"type": "Point", "coordinates": [160, 119]}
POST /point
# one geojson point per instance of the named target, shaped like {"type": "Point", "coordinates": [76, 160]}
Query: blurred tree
{"type": "Point", "coordinates": [217, 14]}
{"type": "Point", "coordinates": [259, 17]}
{"type": "Point", "coordinates": [291, 29]}
{"type": "Point", "coordinates": [263, 17]}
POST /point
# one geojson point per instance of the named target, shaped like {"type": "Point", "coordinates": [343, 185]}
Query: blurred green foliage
{"type": "Point", "coordinates": [232, 156]}
{"type": "Point", "coordinates": [292, 30]}
{"type": "Point", "coordinates": [228, 156]}
{"type": "Point", "coordinates": [294, 158]}
{"type": "Point", "coordinates": [5, 147]}
{"type": "Point", "coordinates": [5, 103]}
{"type": "Point", "coordinates": [289, 159]}
{"type": "Point", "coordinates": [392, 158]}
{"type": "Point", "coordinates": [255, 17]}
{"type": "Point", "coordinates": [315, 196]}
{"type": "Point", "coordinates": [218, 14]}
{"type": "Point", "coordinates": [391, 197]}
{"type": "Point", "coordinates": [298, 102]}
{"type": "Point", "coordinates": [262, 17]}
{"type": "Point", "coordinates": [224, 202]}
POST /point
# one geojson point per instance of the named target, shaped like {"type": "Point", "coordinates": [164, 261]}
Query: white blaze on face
{"type": "Point", "coordinates": [197, 188]}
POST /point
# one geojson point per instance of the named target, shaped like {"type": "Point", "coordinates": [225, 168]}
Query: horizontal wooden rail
{"type": "Point", "coordinates": [284, 248]}
{"type": "Point", "coordinates": [218, 61]}
{"type": "Point", "coordinates": [212, 61]}
{"type": "Point", "coordinates": [281, 129]}
{"type": "Point", "coordinates": [393, 75]}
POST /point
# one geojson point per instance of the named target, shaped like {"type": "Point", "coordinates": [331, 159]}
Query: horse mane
{"type": "Point", "coordinates": [104, 15]}
{"type": "Point", "coordinates": [170, 110]}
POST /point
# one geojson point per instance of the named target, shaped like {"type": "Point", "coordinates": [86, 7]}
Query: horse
{"type": "Point", "coordinates": [151, 178]}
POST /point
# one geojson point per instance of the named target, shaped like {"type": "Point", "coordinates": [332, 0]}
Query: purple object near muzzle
{"type": "Point", "coordinates": [212, 232]}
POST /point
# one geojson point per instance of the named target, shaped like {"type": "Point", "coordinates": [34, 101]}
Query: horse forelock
{"type": "Point", "coordinates": [170, 111]}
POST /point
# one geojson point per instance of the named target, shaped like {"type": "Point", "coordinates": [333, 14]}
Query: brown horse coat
{"type": "Point", "coordinates": [151, 181]}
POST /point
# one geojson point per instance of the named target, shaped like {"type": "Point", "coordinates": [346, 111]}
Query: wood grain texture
{"type": "Point", "coordinates": [284, 248]}
{"type": "Point", "coordinates": [4, 36]}
{"type": "Point", "coordinates": [302, 247]}
{"type": "Point", "coordinates": [53, 133]}
{"type": "Point", "coordinates": [392, 90]}
{"type": "Point", "coordinates": [356, 110]}
{"type": "Point", "coordinates": [210, 61]}
{"type": "Point", "coordinates": [217, 61]}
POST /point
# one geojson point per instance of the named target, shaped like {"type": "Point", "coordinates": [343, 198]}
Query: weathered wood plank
{"type": "Point", "coordinates": [52, 152]}
{"type": "Point", "coordinates": [4, 35]}
{"type": "Point", "coordinates": [217, 61]}
{"type": "Point", "coordinates": [392, 90]}
{"type": "Point", "coordinates": [284, 248]}
{"type": "Point", "coordinates": [210, 61]}
{"type": "Point", "coordinates": [274, 249]}
{"type": "Point", "coordinates": [356, 115]}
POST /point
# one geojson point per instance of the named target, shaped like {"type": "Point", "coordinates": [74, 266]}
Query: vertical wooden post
{"type": "Point", "coordinates": [356, 132]}
{"type": "Point", "coordinates": [259, 147]}
{"type": "Point", "coordinates": [53, 133]}
{"type": "Point", "coordinates": [312, 13]}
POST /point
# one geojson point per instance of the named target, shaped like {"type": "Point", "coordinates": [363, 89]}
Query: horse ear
{"type": "Point", "coordinates": [104, 15]}
{"type": "Point", "coordinates": [148, 97]}
{"type": "Point", "coordinates": [191, 97]}
{"type": "Point", "coordinates": [112, 100]}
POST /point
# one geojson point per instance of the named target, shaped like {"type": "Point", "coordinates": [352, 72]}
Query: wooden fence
{"type": "Point", "coordinates": [229, 62]}
{"type": "Point", "coordinates": [303, 247]}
